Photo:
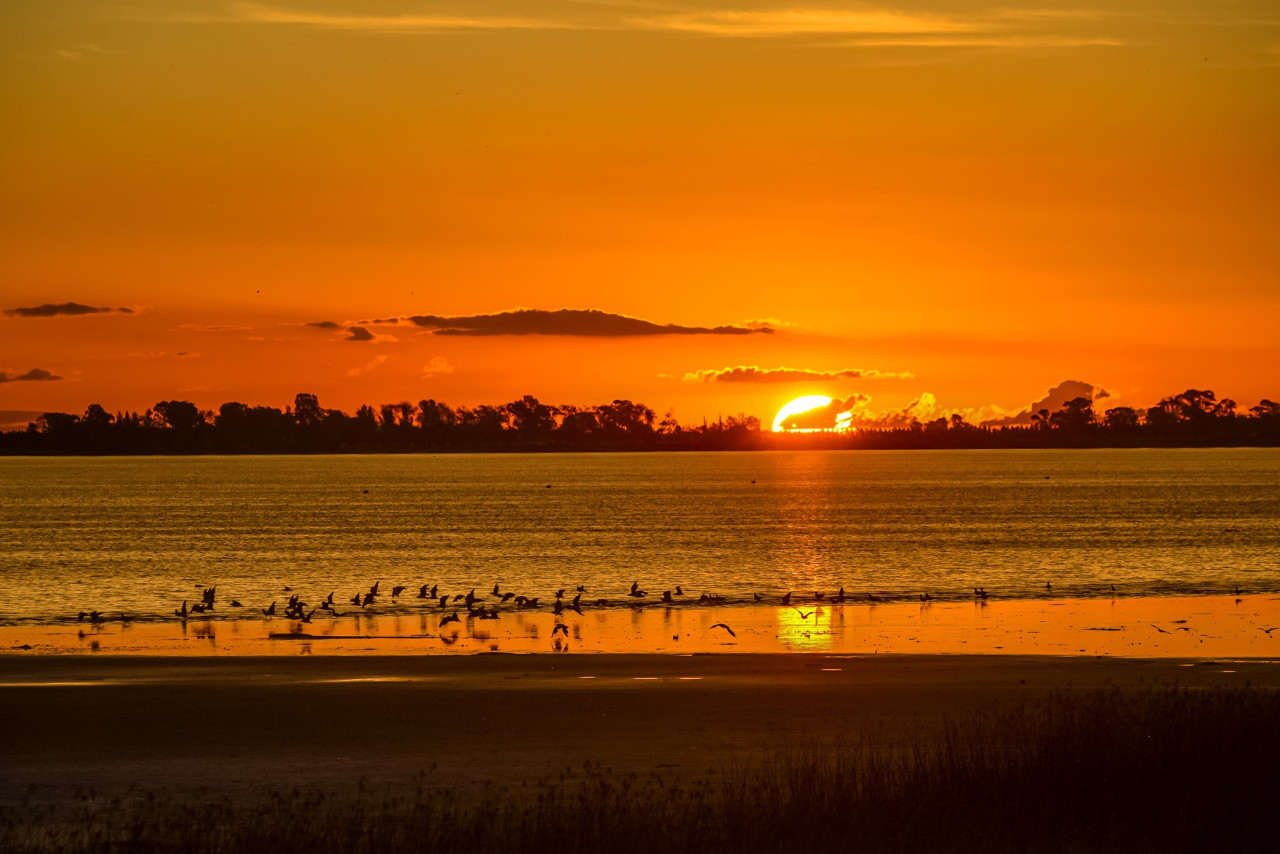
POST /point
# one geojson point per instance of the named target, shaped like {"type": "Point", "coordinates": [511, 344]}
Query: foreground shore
{"type": "Point", "coordinates": [115, 724]}
{"type": "Point", "coordinates": [635, 753]}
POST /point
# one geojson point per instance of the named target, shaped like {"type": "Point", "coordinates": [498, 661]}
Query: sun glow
{"type": "Point", "coordinates": [797, 406]}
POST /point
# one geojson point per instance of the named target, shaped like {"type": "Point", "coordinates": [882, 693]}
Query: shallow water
{"type": "Point", "coordinates": [139, 534]}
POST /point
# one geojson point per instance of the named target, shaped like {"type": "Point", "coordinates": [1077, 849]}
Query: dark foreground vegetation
{"type": "Point", "coordinates": [1166, 769]}
{"type": "Point", "coordinates": [1194, 418]}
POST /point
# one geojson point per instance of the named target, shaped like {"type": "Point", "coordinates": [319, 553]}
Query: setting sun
{"type": "Point", "coordinates": [820, 418]}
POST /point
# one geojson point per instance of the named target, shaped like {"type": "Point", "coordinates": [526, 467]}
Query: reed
{"type": "Point", "coordinates": [1159, 768]}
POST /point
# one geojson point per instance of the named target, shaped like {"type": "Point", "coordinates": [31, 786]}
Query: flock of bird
{"type": "Point", "coordinates": [479, 607]}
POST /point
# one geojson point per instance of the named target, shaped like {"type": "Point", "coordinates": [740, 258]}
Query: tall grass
{"type": "Point", "coordinates": [1157, 769]}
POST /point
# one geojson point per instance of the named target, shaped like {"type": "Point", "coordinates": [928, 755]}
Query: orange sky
{"type": "Point", "coordinates": [991, 199]}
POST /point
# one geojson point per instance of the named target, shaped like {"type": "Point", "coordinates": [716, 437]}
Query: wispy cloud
{"type": "Point", "coordinates": [374, 363]}
{"type": "Point", "coordinates": [868, 25]}
{"type": "Point", "coordinates": [263, 14]}
{"type": "Point", "coordinates": [33, 375]}
{"type": "Point", "coordinates": [213, 327]}
{"type": "Point", "coordinates": [790, 22]}
{"type": "Point", "coordinates": [67, 309]}
{"type": "Point", "coordinates": [754, 374]}
{"type": "Point", "coordinates": [81, 51]}
{"type": "Point", "coordinates": [438, 365]}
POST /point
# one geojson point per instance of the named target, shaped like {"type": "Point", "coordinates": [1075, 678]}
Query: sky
{"type": "Point", "coordinates": [709, 207]}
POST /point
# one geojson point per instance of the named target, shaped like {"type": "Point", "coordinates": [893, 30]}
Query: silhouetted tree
{"type": "Point", "coordinates": [531, 420]}
{"type": "Point", "coordinates": [307, 411]}
{"type": "Point", "coordinates": [1075, 416]}
{"type": "Point", "coordinates": [1121, 418]}
{"type": "Point", "coordinates": [179, 414]}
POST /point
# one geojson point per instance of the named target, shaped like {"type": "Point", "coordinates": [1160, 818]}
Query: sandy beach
{"type": "Point", "coordinates": [114, 725]}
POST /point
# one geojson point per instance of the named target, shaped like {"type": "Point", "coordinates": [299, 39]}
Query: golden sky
{"type": "Point", "coordinates": [971, 201]}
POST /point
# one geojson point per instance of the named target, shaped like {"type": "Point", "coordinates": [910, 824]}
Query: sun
{"type": "Point", "coordinates": [795, 407]}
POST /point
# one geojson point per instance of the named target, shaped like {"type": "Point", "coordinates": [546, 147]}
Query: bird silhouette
{"type": "Point", "coordinates": [397, 590]}
{"type": "Point", "coordinates": [731, 632]}
{"type": "Point", "coordinates": [1160, 630]}
{"type": "Point", "coordinates": [560, 627]}
{"type": "Point", "coordinates": [451, 618]}
{"type": "Point", "coordinates": [804, 615]}
{"type": "Point", "coordinates": [786, 600]}
{"type": "Point", "coordinates": [269, 612]}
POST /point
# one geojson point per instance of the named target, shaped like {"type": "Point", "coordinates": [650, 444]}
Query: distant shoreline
{"type": "Point", "coordinates": [787, 444]}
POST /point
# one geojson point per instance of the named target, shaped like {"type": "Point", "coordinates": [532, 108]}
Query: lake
{"type": "Point", "coordinates": [138, 534]}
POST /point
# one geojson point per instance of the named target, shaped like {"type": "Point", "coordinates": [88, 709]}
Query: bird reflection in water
{"type": "Point", "coordinates": [805, 630]}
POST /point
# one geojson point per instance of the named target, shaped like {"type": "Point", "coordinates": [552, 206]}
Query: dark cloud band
{"type": "Point", "coordinates": [567, 322]}
{"type": "Point", "coordinates": [64, 309]}
{"type": "Point", "coordinates": [37, 375]}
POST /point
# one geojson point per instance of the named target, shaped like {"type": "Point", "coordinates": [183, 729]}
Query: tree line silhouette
{"type": "Point", "coordinates": [1192, 418]}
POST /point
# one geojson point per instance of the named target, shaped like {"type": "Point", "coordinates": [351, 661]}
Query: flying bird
{"type": "Point", "coordinates": [804, 615]}
{"type": "Point", "coordinates": [560, 627]}
{"type": "Point", "coordinates": [452, 618]}
{"type": "Point", "coordinates": [731, 632]}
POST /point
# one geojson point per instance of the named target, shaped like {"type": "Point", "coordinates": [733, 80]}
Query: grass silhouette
{"type": "Point", "coordinates": [1164, 768]}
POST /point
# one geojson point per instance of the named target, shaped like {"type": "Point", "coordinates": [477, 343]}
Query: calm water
{"type": "Point", "coordinates": [137, 534]}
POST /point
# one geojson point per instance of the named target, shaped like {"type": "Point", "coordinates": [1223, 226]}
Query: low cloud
{"type": "Point", "coordinates": [351, 331]}
{"type": "Point", "coordinates": [1054, 399]}
{"type": "Point", "coordinates": [64, 309]}
{"type": "Point", "coordinates": [438, 365]}
{"type": "Point", "coordinates": [923, 408]}
{"type": "Point", "coordinates": [35, 375]}
{"type": "Point", "coordinates": [754, 374]}
{"type": "Point", "coordinates": [567, 322]}
{"type": "Point", "coordinates": [11, 419]}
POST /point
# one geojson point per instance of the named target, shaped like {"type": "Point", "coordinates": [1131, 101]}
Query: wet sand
{"type": "Point", "coordinates": [225, 725]}
{"type": "Point", "coordinates": [1174, 626]}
